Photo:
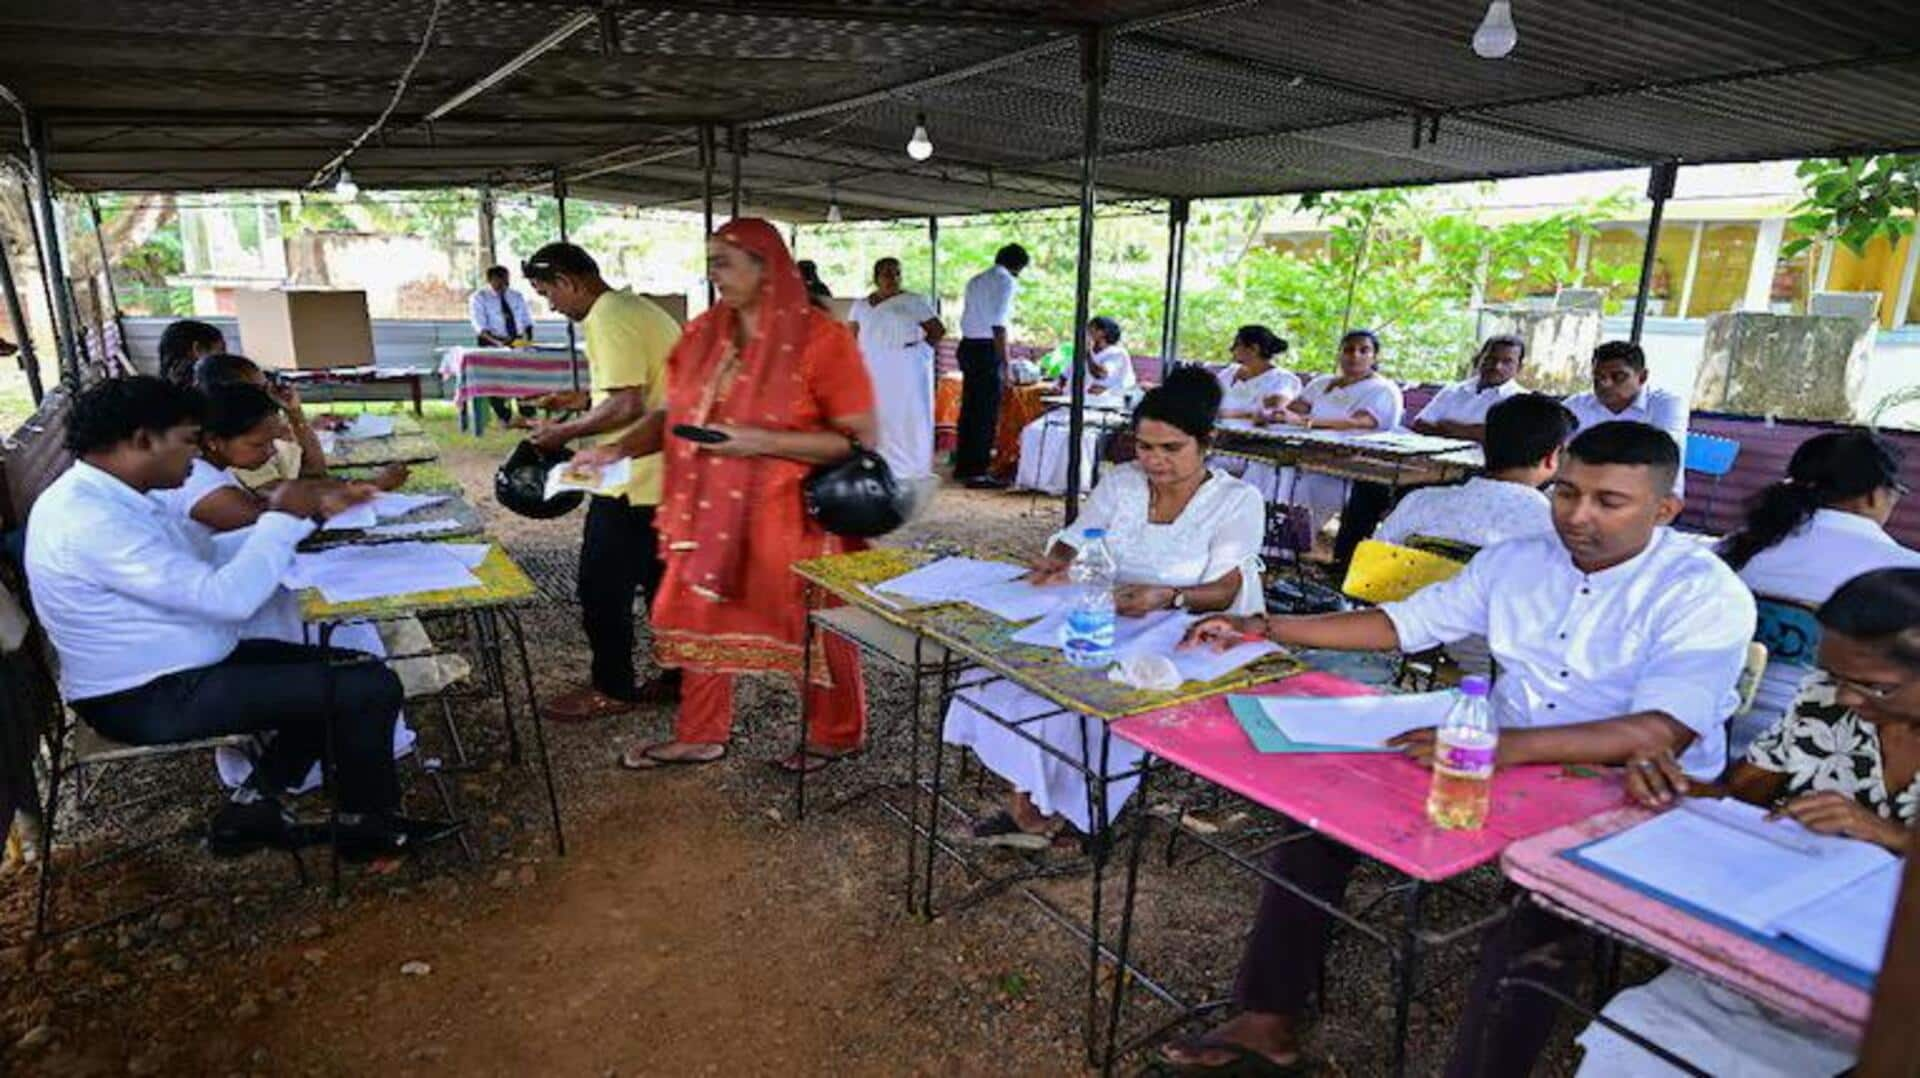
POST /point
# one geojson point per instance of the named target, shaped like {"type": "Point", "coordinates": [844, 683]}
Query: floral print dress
{"type": "Point", "coordinates": [1822, 747]}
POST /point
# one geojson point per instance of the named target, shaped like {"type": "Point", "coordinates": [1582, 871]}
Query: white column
{"type": "Point", "coordinates": [1766, 257]}
{"type": "Point", "coordinates": [1693, 268]}
{"type": "Point", "coordinates": [1903, 296]}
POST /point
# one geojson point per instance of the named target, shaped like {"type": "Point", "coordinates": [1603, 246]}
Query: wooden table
{"type": "Point", "coordinates": [1390, 458]}
{"type": "Point", "coordinates": [361, 376]}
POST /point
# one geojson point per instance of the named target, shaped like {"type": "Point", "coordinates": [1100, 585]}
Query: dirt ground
{"type": "Point", "coordinates": [692, 926]}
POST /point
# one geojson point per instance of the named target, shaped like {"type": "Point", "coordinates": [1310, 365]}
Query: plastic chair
{"type": "Point", "coordinates": [1711, 456]}
{"type": "Point", "coordinates": [1383, 572]}
{"type": "Point", "coordinates": [1790, 631]}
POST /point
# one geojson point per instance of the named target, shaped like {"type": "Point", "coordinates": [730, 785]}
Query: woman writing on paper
{"type": "Point", "coordinates": [1844, 760]}
{"type": "Point", "coordinates": [1185, 537]}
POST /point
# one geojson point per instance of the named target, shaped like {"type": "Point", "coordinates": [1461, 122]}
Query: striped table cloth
{"type": "Point", "coordinates": [508, 372]}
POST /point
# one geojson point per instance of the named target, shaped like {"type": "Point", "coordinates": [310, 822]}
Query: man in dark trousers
{"type": "Point", "coordinates": [986, 311]}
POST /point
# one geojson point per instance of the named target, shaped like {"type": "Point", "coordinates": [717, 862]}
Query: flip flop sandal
{"type": "Point", "coordinates": [811, 761]}
{"type": "Point", "coordinates": [1001, 829]}
{"type": "Point", "coordinates": [1240, 1059]}
{"type": "Point", "coordinates": [625, 760]}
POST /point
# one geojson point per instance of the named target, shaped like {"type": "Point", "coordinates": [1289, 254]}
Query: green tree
{"type": "Point", "coordinates": [1855, 200]}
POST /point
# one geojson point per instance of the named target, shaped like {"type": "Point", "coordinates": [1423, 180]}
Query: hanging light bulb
{"type": "Point", "coordinates": [1497, 35]}
{"type": "Point", "coordinates": [833, 206]}
{"type": "Point", "coordinates": [920, 147]}
{"type": "Point", "coordinates": [344, 186]}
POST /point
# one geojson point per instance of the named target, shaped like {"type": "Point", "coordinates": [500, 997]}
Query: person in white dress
{"type": "Point", "coordinates": [238, 432]}
{"type": "Point", "coordinates": [1256, 390]}
{"type": "Point", "coordinates": [1460, 410]}
{"type": "Point", "coordinates": [1821, 526]}
{"type": "Point", "coordinates": [1620, 391]}
{"type": "Point", "coordinates": [1184, 537]}
{"type": "Point", "coordinates": [898, 331]}
{"type": "Point", "coordinates": [1355, 398]}
{"type": "Point", "coordinates": [1043, 442]}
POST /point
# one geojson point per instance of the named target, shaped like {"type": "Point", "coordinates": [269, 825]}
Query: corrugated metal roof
{"type": "Point", "coordinates": [1204, 99]}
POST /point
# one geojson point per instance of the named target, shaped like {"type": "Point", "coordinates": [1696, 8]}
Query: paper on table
{"type": "Point", "coordinates": [1017, 600]}
{"type": "Point", "coordinates": [948, 580]}
{"type": "Point", "coordinates": [469, 555]}
{"type": "Point", "coordinates": [1251, 713]}
{"type": "Point", "coordinates": [610, 479]}
{"type": "Point", "coordinates": [329, 441]}
{"type": "Point", "coordinates": [1727, 870]}
{"type": "Point", "coordinates": [1852, 924]}
{"type": "Point", "coordinates": [1357, 722]}
{"type": "Point", "coordinates": [366, 425]}
{"type": "Point", "coordinates": [356, 573]}
{"type": "Point", "coordinates": [1158, 633]}
{"type": "Point", "coordinates": [388, 505]}
{"type": "Point", "coordinates": [418, 527]}
{"type": "Point", "coordinates": [360, 516]}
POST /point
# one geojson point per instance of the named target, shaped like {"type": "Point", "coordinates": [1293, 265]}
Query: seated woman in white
{"type": "Point", "coordinates": [1043, 442]}
{"type": "Point", "coordinates": [237, 433]}
{"type": "Point", "coordinates": [1256, 390]}
{"type": "Point", "coordinates": [1810, 533]}
{"type": "Point", "coordinates": [1184, 537]}
{"type": "Point", "coordinates": [1356, 398]}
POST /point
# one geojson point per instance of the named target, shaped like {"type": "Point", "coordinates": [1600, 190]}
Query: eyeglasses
{"type": "Point", "coordinates": [1872, 690]}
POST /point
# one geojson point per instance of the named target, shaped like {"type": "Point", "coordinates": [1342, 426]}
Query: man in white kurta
{"type": "Point", "coordinates": [1620, 391]}
{"type": "Point", "coordinates": [897, 331]}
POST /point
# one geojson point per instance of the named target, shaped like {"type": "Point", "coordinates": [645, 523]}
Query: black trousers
{"type": "Point", "coordinates": [619, 556]}
{"type": "Point", "coordinates": [979, 408]}
{"type": "Point", "coordinates": [272, 685]}
{"type": "Point", "coordinates": [1287, 951]}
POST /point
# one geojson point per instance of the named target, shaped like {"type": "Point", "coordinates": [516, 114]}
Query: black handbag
{"type": "Point", "coordinates": [856, 497]}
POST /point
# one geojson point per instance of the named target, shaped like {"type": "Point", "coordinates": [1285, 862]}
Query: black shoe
{"type": "Point", "coordinates": [237, 829]}
{"type": "Point", "coordinates": [373, 837]}
{"type": "Point", "coordinates": [986, 482]}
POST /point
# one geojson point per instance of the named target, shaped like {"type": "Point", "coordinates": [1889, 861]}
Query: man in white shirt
{"type": "Point", "coordinates": [1460, 410]}
{"type": "Point", "coordinates": [1615, 638]}
{"type": "Point", "coordinates": [1524, 435]}
{"type": "Point", "coordinates": [986, 312]}
{"type": "Point", "coordinates": [500, 317]}
{"type": "Point", "coordinates": [146, 620]}
{"type": "Point", "coordinates": [1620, 391]}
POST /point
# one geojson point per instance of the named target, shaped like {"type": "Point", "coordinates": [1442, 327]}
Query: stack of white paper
{"type": "Point", "coordinates": [1768, 876]}
{"type": "Point", "coordinates": [1850, 925]}
{"type": "Point", "coordinates": [1361, 722]}
{"type": "Point", "coordinates": [388, 505]}
{"type": "Point", "coordinates": [1017, 600]}
{"type": "Point", "coordinates": [357, 518]}
{"type": "Point", "coordinates": [948, 580]}
{"type": "Point", "coordinates": [366, 425]}
{"type": "Point", "coordinates": [356, 573]}
{"type": "Point", "coordinates": [1158, 633]}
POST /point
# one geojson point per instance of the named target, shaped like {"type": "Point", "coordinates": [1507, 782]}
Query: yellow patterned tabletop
{"type": "Point", "coordinates": [502, 583]}
{"type": "Point", "coordinates": [987, 641]}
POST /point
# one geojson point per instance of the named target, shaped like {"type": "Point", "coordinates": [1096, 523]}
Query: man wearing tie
{"type": "Point", "coordinates": [500, 317]}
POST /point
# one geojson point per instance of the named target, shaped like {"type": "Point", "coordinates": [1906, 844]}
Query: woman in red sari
{"type": "Point", "coordinates": [785, 383]}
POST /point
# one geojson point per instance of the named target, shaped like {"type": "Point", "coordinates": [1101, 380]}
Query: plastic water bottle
{"type": "Point", "coordinates": [1463, 754]}
{"type": "Point", "coordinates": [1087, 638]}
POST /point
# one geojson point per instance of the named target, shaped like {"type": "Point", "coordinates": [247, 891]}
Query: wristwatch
{"type": "Point", "coordinates": [1179, 599]}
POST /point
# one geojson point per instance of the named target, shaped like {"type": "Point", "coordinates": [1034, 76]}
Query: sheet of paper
{"type": "Point", "coordinates": [389, 505]}
{"type": "Point", "coordinates": [367, 425]}
{"type": "Point", "coordinates": [415, 528]}
{"type": "Point", "coordinates": [355, 573]}
{"type": "Point", "coordinates": [609, 480]}
{"type": "Point", "coordinates": [1356, 722]}
{"type": "Point", "coordinates": [1852, 924]}
{"type": "Point", "coordinates": [949, 580]}
{"type": "Point", "coordinates": [360, 516]}
{"type": "Point", "coordinates": [1017, 600]}
{"type": "Point", "coordinates": [1250, 713]}
{"type": "Point", "coordinates": [329, 441]}
{"type": "Point", "coordinates": [1159, 633]}
{"type": "Point", "coordinates": [469, 555]}
{"type": "Point", "coordinates": [1729, 870]}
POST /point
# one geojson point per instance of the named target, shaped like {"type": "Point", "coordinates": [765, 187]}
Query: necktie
{"type": "Point", "coordinates": [506, 312]}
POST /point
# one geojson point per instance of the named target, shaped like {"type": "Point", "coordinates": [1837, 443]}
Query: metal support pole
{"type": "Point", "coordinates": [489, 247]}
{"type": "Point", "coordinates": [933, 262]}
{"type": "Point", "coordinates": [54, 262]}
{"type": "Point", "coordinates": [1659, 190]}
{"type": "Point", "coordinates": [706, 190]}
{"type": "Point", "coordinates": [736, 150]}
{"type": "Point", "coordinates": [17, 318]}
{"type": "Point", "coordinates": [1177, 213]}
{"type": "Point", "coordinates": [106, 273]}
{"type": "Point", "coordinates": [1096, 60]}
{"type": "Point", "coordinates": [573, 344]}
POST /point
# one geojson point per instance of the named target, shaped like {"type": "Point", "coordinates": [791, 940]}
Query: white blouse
{"type": "Point", "coordinates": [1375, 395]}
{"type": "Point", "coordinates": [1119, 377]}
{"type": "Point", "coordinates": [204, 479]}
{"type": "Point", "coordinates": [1221, 529]}
{"type": "Point", "coordinates": [1243, 395]}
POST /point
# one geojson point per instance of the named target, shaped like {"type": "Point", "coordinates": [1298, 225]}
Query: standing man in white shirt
{"type": "Point", "coordinates": [1460, 410]}
{"type": "Point", "coordinates": [986, 312]}
{"type": "Point", "coordinates": [1620, 391]}
{"type": "Point", "coordinates": [1616, 639]}
{"type": "Point", "coordinates": [146, 619]}
{"type": "Point", "coordinates": [500, 317]}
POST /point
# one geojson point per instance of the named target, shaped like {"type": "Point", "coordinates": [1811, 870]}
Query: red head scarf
{"type": "Point", "coordinates": [754, 387]}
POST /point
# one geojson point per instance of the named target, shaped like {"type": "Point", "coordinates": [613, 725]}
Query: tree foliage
{"type": "Point", "coordinates": [1856, 200]}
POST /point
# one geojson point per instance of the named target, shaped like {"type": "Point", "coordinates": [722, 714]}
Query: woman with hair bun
{"type": "Point", "coordinates": [1256, 389]}
{"type": "Point", "coordinates": [1184, 537]}
{"type": "Point", "coordinates": [1356, 398]}
{"type": "Point", "coordinates": [1818, 528]}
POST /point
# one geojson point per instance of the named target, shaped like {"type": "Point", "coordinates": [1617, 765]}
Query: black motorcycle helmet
{"type": "Point", "coordinates": [857, 497]}
{"type": "Point", "coordinates": [521, 483]}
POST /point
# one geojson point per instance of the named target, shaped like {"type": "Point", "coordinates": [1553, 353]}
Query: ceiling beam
{"type": "Point", "coordinates": [971, 17]}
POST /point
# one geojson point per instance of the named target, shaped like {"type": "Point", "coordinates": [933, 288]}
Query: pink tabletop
{"type": "Point", "coordinates": [1372, 802]}
{"type": "Point", "coordinates": [1722, 955]}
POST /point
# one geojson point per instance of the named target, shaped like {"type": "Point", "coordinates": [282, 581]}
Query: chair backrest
{"type": "Point", "coordinates": [1383, 572]}
{"type": "Point", "coordinates": [1711, 455]}
{"type": "Point", "coordinates": [1750, 675]}
{"type": "Point", "coordinates": [34, 457]}
{"type": "Point", "coordinates": [1789, 630]}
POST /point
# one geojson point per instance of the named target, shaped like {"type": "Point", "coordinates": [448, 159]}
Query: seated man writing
{"type": "Point", "coordinates": [1615, 638]}
{"type": "Point", "coordinates": [146, 617]}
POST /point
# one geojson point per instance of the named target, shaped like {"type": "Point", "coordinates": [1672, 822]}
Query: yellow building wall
{"type": "Point", "coordinates": [1877, 269]}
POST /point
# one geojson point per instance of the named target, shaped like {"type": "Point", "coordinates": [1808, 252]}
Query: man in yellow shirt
{"type": "Point", "coordinates": [627, 340]}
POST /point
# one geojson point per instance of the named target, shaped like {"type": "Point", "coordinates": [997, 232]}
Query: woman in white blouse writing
{"type": "Point", "coordinates": [1821, 526]}
{"type": "Point", "coordinates": [1043, 443]}
{"type": "Point", "coordinates": [1356, 398]}
{"type": "Point", "coordinates": [1184, 537]}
